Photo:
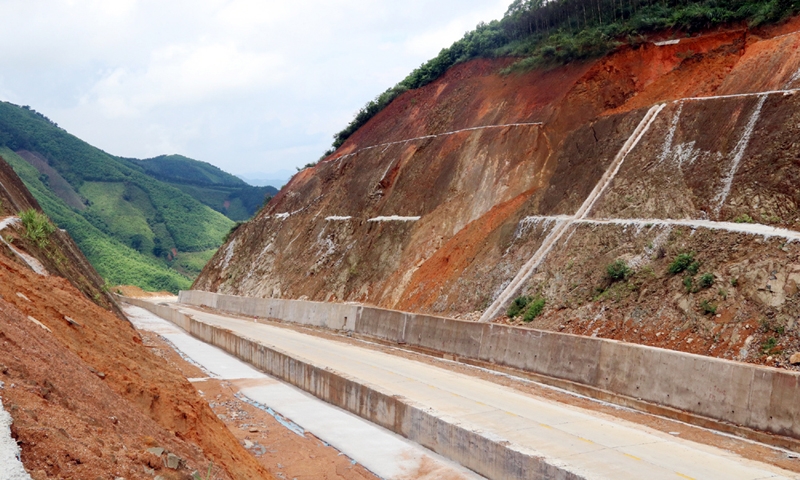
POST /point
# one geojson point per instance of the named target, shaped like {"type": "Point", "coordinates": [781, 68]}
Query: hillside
{"type": "Point", "coordinates": [208, 184]}
{"type": "Point", "coordinates": [648, 195]}
{"type": "Point", "coordinates": [536, 34]}
{"type": "Point", "coordinates": [133, 228]}
{"type": "Point", "coordinates": [87, 399]}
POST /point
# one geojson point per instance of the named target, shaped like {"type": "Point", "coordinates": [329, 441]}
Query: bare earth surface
{"type": "Point", "coordinates": [87, 399]}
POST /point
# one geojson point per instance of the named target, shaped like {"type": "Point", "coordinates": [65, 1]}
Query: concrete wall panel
{"type": "Point", "coordinates": [386, 325]}
{"type": "Point", "coordinates": [494, 343]}
{"type": "Point", "coordinates": [566, 356]}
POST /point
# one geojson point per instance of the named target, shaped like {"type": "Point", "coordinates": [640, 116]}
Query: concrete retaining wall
{"type": "Point", "coordinates": [336, 316]}
{"type": "Point", "coordinates": [754, 397]}
{"type": "Point", "coordinates": [489, 458]}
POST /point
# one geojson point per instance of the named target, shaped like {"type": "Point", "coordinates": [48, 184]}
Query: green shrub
{"type": "Point", "coordinates": [769, 345]}
{"type": "Point", "coordinates": [37, 227]}
{"type": "Point", "coordinates": [682, 262]}
{"type": "Point", "coordinates": [535, 309]}
{"type": "Point", "coordinates": [233, 229]}
{"type": "Point", "coordinates": [706, 280]}
{"type": "Point", "coordinates": [743, 218]}
{"type": "Point", "coordinates": [518, 305]}
{"type": "Point", "coordinates": [688, 283]}
{"type": "Point", "coordinates": [708, 308]}
{"type": "Point", "coordinates": [618, 270]}
{"type": "Point", "coordinates": [693, 268]}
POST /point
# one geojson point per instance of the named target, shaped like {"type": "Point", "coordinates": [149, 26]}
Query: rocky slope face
{"type": "Point", "coordinates": [87, 399]}
{"type": "Point", "coordinates": [478, 188]}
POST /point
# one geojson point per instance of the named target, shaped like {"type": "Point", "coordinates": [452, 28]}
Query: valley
{"type": "Point", "coordinates": [565, 247]}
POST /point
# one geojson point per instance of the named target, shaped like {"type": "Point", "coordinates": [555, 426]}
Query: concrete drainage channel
{"type": "Point", "coordinates": [488, 457]}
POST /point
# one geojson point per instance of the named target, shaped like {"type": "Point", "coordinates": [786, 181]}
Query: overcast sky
{"type": "Point", "coordinates": [248, 85]}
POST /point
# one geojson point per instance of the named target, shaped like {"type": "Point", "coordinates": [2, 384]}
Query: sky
{"type": "Point", "coordinates": [256, 87]}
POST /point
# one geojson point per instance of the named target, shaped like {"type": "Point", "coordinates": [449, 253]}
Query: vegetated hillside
{"type": "Point", "coordinates": [225, 193]}
{"type": "Point", "coordinates": [87, 399]}
{"type": "Point", "coordinates": [650, 195]}
{"type": "Point", "coordinates": [543, 34]}
{"type": "Point", "coordinates": [133, 228]}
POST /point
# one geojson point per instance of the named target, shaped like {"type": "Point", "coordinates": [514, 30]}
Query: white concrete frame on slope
{"type": "Point", "coordinates": [563, 223]}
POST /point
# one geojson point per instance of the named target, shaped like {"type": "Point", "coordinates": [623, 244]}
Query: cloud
{"type": "Point", "coordinates": [184, 74]}
{"type": "Point", "coordinates": [248, 85]}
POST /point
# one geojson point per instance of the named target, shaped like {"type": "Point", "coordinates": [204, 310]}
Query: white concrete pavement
{"type": "Point", "coordinates": [585, 443]}
{"type": "Point", "coordinates": [382, 452]}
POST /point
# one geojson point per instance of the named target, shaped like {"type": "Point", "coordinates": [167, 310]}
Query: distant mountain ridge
{"type": "Point", "coordinates": [208, 184]}
{"type": "Point", "coordinates": [150, 223]}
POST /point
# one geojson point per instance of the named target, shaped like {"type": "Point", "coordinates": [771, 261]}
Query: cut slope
{"type": "Point", "coordinates": [86, 397]}
{"type": "Point", "coordinates": [487, 165]}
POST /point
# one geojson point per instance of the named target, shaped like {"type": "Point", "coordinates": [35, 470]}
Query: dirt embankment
{"type": "Point", "coordinates": [87, 398]}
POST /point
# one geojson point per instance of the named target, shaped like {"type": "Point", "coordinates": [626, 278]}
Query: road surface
{"type": "Point", "coordinates": [586, 443]}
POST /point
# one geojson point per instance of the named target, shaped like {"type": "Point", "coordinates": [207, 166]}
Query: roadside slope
{"type": "Point", "coordinates": [450, 192]}
{"type": "Point", "coordinates": [86, 397]}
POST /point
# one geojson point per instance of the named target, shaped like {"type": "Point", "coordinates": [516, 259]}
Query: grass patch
{"type": "Point", "coordinates": [618, 271]}
{"type": "Point", "coordinates": [684, 262]}
{"type": "Point", "coordinates": [535, 308]}
{"type": "Point", "coordinates": [708, 308]}
{"type": "Point", "coordinates": [769, 345]}
{"type": "Point", "coordinates": [706, 281]}
{"type": "Point", "coordinates": [38, 227]}
{"type": "Point", "coordinates": [518, 305]}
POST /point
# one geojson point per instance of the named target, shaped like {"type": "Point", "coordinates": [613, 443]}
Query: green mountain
{"type": "Point", "coordinates": [207, 184]}
{"type": "Point", "coordinates": [133, 227]}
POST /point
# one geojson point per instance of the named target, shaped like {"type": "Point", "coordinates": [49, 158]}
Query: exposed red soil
{"type": "Point", "coordinates": [455, 256]}
{"type": "Point", "coordinates": [133, 402]}
{"type": "Point", "coordinates": [472, 189]}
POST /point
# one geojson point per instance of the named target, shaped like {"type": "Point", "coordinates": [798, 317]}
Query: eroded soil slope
{"type": "Point", "coordinates": [441, 200]}
{"type": "Point", "coordinates": [86, 397]}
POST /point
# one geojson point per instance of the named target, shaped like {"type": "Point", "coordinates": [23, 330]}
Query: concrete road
{"type": "Point", "coordinates": [382, 452]}
{"type": "Point", "coordinates": [586, 443]}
